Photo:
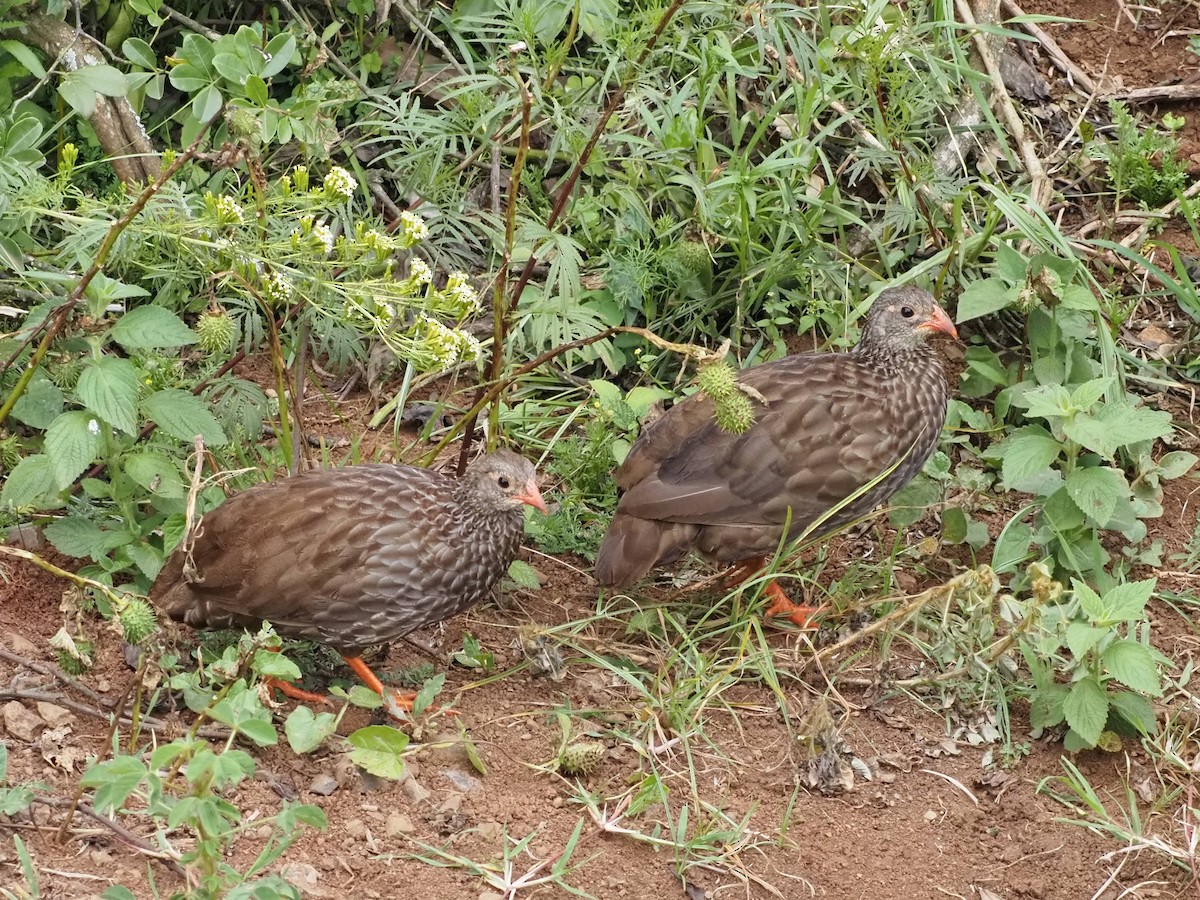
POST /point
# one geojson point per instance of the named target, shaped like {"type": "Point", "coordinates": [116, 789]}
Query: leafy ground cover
{"type": "Point", "coordinates": [1002, 703]}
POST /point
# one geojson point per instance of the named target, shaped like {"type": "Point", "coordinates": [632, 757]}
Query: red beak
{"type": "Point", "coordinates": [533, 497]}
{"type": "Point", "coordinates": [939, 321]}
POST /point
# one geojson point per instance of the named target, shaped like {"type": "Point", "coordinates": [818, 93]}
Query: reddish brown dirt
{"type": "Point", "coordinates": [935, 823]}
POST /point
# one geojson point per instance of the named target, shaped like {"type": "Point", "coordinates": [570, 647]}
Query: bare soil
{"type": "Point", "coordinates": [933, 822]}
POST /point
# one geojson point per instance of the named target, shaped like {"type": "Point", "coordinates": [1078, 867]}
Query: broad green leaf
{"type": "Point", "coordinates": [206, 103]}
{"type": "Point", "coordinates": [106, 80]}
{"type": "Point", "coordinates": [524, 575]}
{"type": "Point", "coordinates": [954, 525]}
{"type": "Point", "coordinates": [1127, 601]}
{"type": "Point", "coordinates": [1135, 709]}
{"type": "Point", "coordinates": [1096, 491]}
{"type": "Point", "coordinates": [139, 53]}
{"type": "Point", "coordinates": [118, 892]}
{"type": "Point", "coordinates": [1086, 709]}
{"type": "Point", "coordinates": [1027, 454]}
{"type": "Point", "coordinates": [270, 664]}
{"type": "Point", "coordinates": [1130, 424]}
{"type": "Point", "coordinates": [1176, 464]}
{"type": "Point", "coordinates": [910, 502]}
{"type": "Point", "coordinates": [379, 749]}
{"type": "Point", "coordinates": [1090, 393]}
{"type": "Point", "coordinates": [41, 403]}
{"type": "Point", "coordinates": [1082, 637]}
{"type": "Point", "coordinates": [306, 730]}
{"type": "Point", "coordinates": [114, 781]}
{"type": "Point", "coordinates": [109, 387]}
{"type": "Point", "coordinates": [1074, 296]}
{"type": "Point", "coordinates": [1093, 607]}
{"type": "Point", "coordinates": [72, 442]}
{"type": "Point", "coordinates": [1133, 665]}
{"type": "Point", "coordinates": [151, 327]}
{"type": "Point", "coordinates": [184, 416]}
{"type": "Point", "coordinates": [156, 472]}
{"type": "Point", "coordinates": [80, 537]}
{"type": "Point", "coordinates": [984, 297]}
{"type": "Point", "coordinates": [80, 96]}
{"type": "Point", "coordinates": [280, 51]}
{"type": "Point", "coordinates": [1049, 401]}
{"type": "Point", "coordinates": [1012, 547]}
{"type": "Point", "coordinates": [30, 483]}
{"type": "Point", "coordinates": [607, 393]}
{"type": "Point", "coordinates": [147, 558]}
{"type": "Point", "coordinates": [20, 51]}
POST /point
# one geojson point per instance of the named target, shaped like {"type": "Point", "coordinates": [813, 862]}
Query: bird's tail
{"type": "Point", "coordinates": [633, 546]}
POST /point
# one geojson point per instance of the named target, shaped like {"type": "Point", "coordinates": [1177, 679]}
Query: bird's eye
{"type": "Point", "coordinates": [502, 481]}
{"type": "Point", "coordinates": [907, 312]}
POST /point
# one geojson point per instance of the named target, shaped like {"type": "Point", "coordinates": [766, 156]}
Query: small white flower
{"type": "Point", "coordinates": [323, 235]}
{"type": "Point", "coordinates": [340, 183]}
{"type": "Point", "coordinates": [412, 228]}
{"type": "Point", "coordinates": [229, 211]}
{"type": "Point", "coordinates": [276, 287]}
{"type": "Point", "coordinates": [419, 271]}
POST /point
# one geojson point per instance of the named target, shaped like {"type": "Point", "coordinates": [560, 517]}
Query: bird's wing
{"type": "Point", "coordinates": [815, 441]}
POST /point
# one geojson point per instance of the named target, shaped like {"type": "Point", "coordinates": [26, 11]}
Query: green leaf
{"type": "Point", "coordinates": [1012, 547]}
{"type": "Point", "coordinates": [182, 415]}
{"type": "Point", "coordinates": [79, 537]}
{"type": "Point", "coordinates": [1176, 464]}
{"type": "Point", "coordinates": [1128, 601]}
{"type": "Point", "coordinates": [1090, 393]}
{"type": "Point", "coordinates": [1048, 401]}
{"type": "Point", "coordinates": [1026, 454]}
{"type": "Point", "coordinates": [139, 53]}
{"type": "Point", "coordinates": [1082, 637]}
{"type": "Point", "coordinates": [106, 80]}
{"type": "Point", "coordinates": [109, 387]}
{"type": "Point", "coordinates": [156, 472]}
{"type": "Point", "coordinates": [380, 750]}
{"type": "Point", "coordinates": [118, 892]}
{"type": "Point", "coordinates": [1096, 491]}
{"type": "Point", "coordinates": [114, 781]}
{"type": "Point", "coordinates": [151, 327]}
{"type": "Point", "coordinates": [41, 403]}
{"type": "Point", "coordinates": [954, 525]}
{"type": "Point", "coordinates": [206, 103]}
{"type": "Point", "coordinates": [524, 575]}
{"type": "Point", "coordinates": [910, 502]}
{"type": "Point", "coordinates": [20, 51]}
{"type": "Point", "coordinates": [30, 483]}
{"type": "Point", "coordinates": [1135, 709]}
{"type": "Point", "coordinates": [1093, 607]}
{"type": "Point", "coordinates": [984, 297]}
{"type": "Point", "coordinates": [74, 89]}
{"type": "Point", "coordinates": [1086, 709]}
{"type": "Point", "coordinates": [270, 664]}
{"type": "Point", "coordinates": [430, 689]}
{"type": "Point", "coordinates": [1131, 424]}
{"type": "Point", "coordinates": [1133, 665]}
{"type": "Point", "coordinates": [72, 442]}
{"type": "Point", "coordinates": [306, 730]}
{"type": "Point", "coordinates": [1075, 296]}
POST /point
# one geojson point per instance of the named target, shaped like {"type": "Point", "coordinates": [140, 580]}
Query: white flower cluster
{"type": "Point", "coordinates": [226, 210]}
{"type": "Point", "coordinates": [339, 183]}
{"type": "Point", "coordinates": [276, 287]}
{"type": "Point", "coordinates": [413, 229]}
{"type": "Point", "coordinates": [419, 271]}
{"type": "Point", "coordinates": [463, 298]}
{"type": "Point", "coordinates": [382, 244]}
{"type": "Point", "coordinates": [442, 344]}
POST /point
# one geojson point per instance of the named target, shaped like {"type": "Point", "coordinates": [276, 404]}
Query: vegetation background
{"type": "Point", "coordinates": [239, 239]}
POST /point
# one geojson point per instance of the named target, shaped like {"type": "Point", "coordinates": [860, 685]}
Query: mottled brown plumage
{"type": "Point", "coordinates": [831, 423]}
{"type": "Point", "coordinates": [355, 556]}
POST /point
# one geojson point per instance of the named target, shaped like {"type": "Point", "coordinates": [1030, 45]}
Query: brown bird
{"type": "Point", "coordinates": [825, 425]}
{"type": "Point", "coordinates": [352, 557]}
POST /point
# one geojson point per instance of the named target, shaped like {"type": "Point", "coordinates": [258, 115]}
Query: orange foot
{"type": "Point", "coordinates": [779, 603]}
{"type": "Point", "coordinates": [286, 687]}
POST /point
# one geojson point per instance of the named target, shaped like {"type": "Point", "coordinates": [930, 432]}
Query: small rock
{"type": "Point", "coordinates": [398, 824]}
{"type": "Point", "coordinates": [103, 686]}
{"type": "Point", "coordinates": [21, 723]}
{"type": "Point", "coordinates": [415, 791]}
{"type": "Point", "coordinates": [53, 714]}
{"type": "Point", "coordinates": [490, 831]}
{"type": "Point", "coordinates": [356, 828]}
{"type": "Point", "coordinates": [27, 537]}
{"type": "Point", "coordinates": [462, 780]}
{"type": "Point", "coordinates": [264, 832]}
{"type": "Point", "coordinates": [323, 784]}
{"type": "Point", "coordinates": [345, 771]}
{"type": "Point", "coordinates": [101, 858]}
{"type": "Point", "coordinates": [305, 877]}
{"type": "Point", "coordinates": [930, 816]}
{"type": "Point", "coordinates": [21, 645]}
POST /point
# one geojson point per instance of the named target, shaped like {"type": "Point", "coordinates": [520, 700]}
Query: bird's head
{"type": "Point", "coordinates": [503, 481]}
{"type": "Point", "coordinates": [902, 318]}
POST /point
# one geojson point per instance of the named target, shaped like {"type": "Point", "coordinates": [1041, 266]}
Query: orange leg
{"type": "Point", "coordinates": [779, 604]}
{"type": "Point", "coordinates": [296, 693]}
{"type": "Point", "coordinates": [371, 680]}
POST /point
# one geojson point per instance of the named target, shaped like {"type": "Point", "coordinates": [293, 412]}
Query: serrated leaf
{"type": "Point", "coordinates": [72, 443]}
{"type": "Point", "coordinates": [30, 483]}
{"type": "Point", "coordinates": [1082, 637]}
{"type": "Point", "coordinates": [109, 387]}
{"type": "Point", "coordinates": [1130, 424]}
{"type": "Point", "coordinates": [1086, 709]}
{"type": "Point", "coordinates": [82, 538]}
{"type": "Point", "coordinates": [156, 472]}
{"type": "Point", "coordinates": [1127, 601]}
{"type": "Point", "coordinates": [306, 730]}
{"type": "Point", "coordinates": [184, 416]}
{"type": "Point", "coordinates": [114, 781]}
{"type": "Point", "coordinates": [151, 327]}
{"type": "Point", "coordinates": [1133, 665]}
{"type": "Point", "coordinates": [41, 403]}
{"type": "Point", "coordinates": [1096, 491]}
{"type": "Point", "coordinates": [1135, 709]}
{"type": "Point", "coordinates": [983, 297]}
{"type": "Point", "coordinates": [524, 575]}
{"type": "Point", "coordinates": [1089, 393]}
{"type": "Point", "coordinates": [379, 749]}
{"type": "Point", "coordinates": [1093, 607]}
{"type": "Point", "coordinates": [1027, 454]}
{"type": "Point", "coordinates": [1048, 401]}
